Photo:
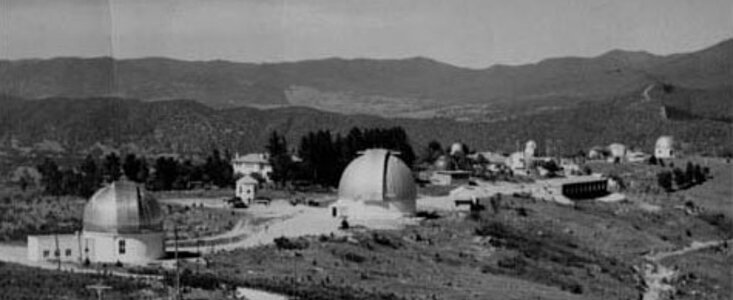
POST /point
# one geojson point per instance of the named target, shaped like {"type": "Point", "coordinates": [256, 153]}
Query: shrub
{"type": "Point", "coordinates": [353, 257]}
{"type": "Point", "coordinates": [387, 240]}
{"type": "Point", "coordinates": [516, 263]}
{"type": "Point", "coordinates": [284, 243]}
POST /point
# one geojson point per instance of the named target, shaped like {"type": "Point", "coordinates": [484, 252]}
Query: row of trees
{"type": "Point", "coordinates": [325, 155]}
{"type": "Point", "coordinates": [166, 173]}
{"type": "Point", "coordinates": [692, 175]}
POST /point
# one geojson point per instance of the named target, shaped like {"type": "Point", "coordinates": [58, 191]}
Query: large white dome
{"type": "Point", "coordinates": [122, 207]}
{"type": "Point", "coordinates": [378, 177]}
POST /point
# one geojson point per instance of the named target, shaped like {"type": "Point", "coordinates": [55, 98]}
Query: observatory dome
{"type": "Point", "coordinates": [617, 150]}
{"type": "Point", "coordinates": [442, 163]}
{"type": "Point", "coordinates": [665, 142]}
{"type": "Point", "coordinates": [122, 207]}
{"type": "Point", "coordinates": [379, 177]}
{"type": "Point", "coordinates": [664, 148]}
{"type": "Point", "coordinates": [456, 149]}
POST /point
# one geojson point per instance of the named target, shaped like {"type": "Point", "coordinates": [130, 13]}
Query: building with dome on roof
{"type": "Point", "coordinates": [122, 223]}
{"type": "Point", "coordinates": [664, 148]}
{"type": "Point", "coordinates": [376, 185]}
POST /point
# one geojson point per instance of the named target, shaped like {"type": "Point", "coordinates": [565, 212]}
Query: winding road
{"type": "Point", "coordinates": [658, 277]}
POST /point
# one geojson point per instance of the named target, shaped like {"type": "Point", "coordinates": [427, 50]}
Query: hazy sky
{"type": "Point", "coordinates": [473, 33]}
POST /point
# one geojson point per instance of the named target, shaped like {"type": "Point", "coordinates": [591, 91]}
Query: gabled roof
{"type": "Point", "coordinates": [247, 180]}
{"type": "Point", "coordinates": [259, 158]}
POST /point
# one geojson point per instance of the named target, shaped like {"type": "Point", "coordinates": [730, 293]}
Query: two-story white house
{"type": "Point", "coordinates": [252, 163]}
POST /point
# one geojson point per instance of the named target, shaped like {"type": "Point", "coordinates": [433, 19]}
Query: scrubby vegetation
{"type": "Point", "coordinates": [29, 212]}
{"type": "Point", "coordinates": [20, 282]}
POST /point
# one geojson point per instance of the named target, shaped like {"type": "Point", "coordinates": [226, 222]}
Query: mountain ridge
{"type": "Point", "coordinates": [374, 86]}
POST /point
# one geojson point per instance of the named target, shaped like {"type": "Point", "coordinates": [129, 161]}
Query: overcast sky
{"type": "Point", "coordinates": [471, 33]}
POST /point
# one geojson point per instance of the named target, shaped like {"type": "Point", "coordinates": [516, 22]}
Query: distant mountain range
{"type": "Point", "coordinates": [416, 87]}
{"type": "Point", "coordinates": [70, 106]}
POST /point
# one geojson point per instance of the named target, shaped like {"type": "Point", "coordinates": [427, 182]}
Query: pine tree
{"type": "Point", "coordinates": [279, 158]}
{"type": "Point", "coordinates": [690, 173]}
{"type": "Point", "coordinates": [680, 179]}
{"type": "Point", "coordinates": [51, 177]}
{"type": "Point", "coordinates": [664, 179]}
{"type": "Point", "coordinates": [91, 177]}
{"type": "Point", "coordinates": [112, 169]}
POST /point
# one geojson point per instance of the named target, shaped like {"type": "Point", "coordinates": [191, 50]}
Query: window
{"type": "Point", "coordinates": [122, 246]}
{"type": "Point", "coordinates": [68, 252]}
{"type": "Point", "coordinates": [46, 253]}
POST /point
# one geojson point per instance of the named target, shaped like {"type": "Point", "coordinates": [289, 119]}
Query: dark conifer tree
{"type": "Point", "coordinates": [50, 177]}
{"type": "Point", "coordinates": [112, 168]}
{"type": "Point", "coordinates": [280, 159]}
{"type": "Point", "coordinates": [664, 179]}
{"type": "Point", "coordinates": [91, 177]}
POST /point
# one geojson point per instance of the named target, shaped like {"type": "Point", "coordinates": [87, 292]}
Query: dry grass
{"type": "Point", "coordinates": [706, 274]}
{"type": "Point", "coordinates": [28, 212]}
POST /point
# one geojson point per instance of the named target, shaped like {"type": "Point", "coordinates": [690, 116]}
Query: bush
{"type": "Point", "coordinates": [353, 257]}
{"type": "Point", "coordinates": [387, 240]}
{"type": "Point", "coordinates": [428, 215]}
{"type": "Point", "coordinates": [284, 243]}
{"type": "Point", "coordinates": [516, 263]}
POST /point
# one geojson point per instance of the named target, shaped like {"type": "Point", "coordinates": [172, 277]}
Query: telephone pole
{"type": "Point", "coordinates": [178, 267]}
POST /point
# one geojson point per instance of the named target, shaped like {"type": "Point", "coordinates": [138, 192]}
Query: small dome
{"type": "Point", "coordinates": [665, 142]}
{"type": "Point", "coordinates": [456, 149]}
{"type": "Point", "coordinates": [122, 207]}
{"type": "Point", "coordinates": [379, 177]}
{"type": "Point", "coordinates": [441, 163]}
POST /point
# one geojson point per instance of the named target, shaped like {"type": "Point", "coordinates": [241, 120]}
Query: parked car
{"type": "Point", "coordinates": [262, 200]}
{"type": "Point", "coordinates": [236, 202]}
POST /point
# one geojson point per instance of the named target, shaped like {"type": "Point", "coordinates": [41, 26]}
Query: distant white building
{"type": "Point", "coordinates": [375, 186]}
{"type": "Point", "coordinates": [246, 189]}
{"type": "Point", "coordinates": [122, 223]}
{"type": "Point", "coordinates": [252, 163]}
{"type": "Point", "coordinates": [617, 151]}
{"type": "Point", "coordinates": [449, 177]}
{"type": "Point", "coordinates": [664, 148]}
{"type": "Point", "coordinates": [636, 156]}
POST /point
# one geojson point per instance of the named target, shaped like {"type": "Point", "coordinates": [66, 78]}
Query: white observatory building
{"type": "Point", "coordinates": [375, 186]}
{"type": "Point", "coordinates": [664, 148]}
{"type": "Point", "coordinates": [122, 223]}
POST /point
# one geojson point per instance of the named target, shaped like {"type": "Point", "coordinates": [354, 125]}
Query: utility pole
{"type": "Point", "coordinates": [178, 268]}
{"type": "Point", "coordinates": [99, 288]}
{"type": "Point", "coordinates": [198, 255]}
{"type": "Point", "coordinates": [57, 253]}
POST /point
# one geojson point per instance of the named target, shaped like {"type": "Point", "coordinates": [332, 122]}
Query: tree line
{"type": "Point", "coordinates": [165, 173]}
{"type": "Point", "coordinates": [324, 155]}
{"type": "Point", "coordinates": [693, 174]}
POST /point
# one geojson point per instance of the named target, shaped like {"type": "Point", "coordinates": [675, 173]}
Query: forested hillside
{"type": "Point", "coordinates": [187, 127]}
